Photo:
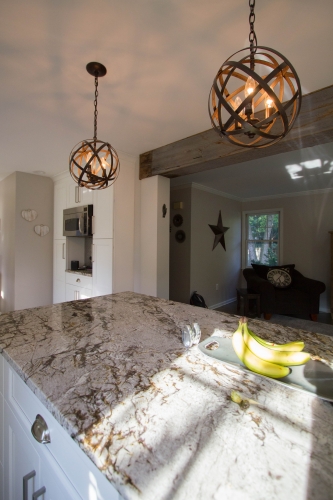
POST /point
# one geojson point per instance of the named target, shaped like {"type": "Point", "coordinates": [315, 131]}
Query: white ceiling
{"type": "Point", "coordinates": [308, 169]}
{"type": "Point", "coordinates": [161, 56]}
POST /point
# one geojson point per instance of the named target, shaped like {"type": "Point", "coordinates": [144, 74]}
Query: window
{"type": "Point", "coordinates": [261, 237]}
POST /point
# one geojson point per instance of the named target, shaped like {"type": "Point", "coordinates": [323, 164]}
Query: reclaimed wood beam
{"type": "Point", "coordinates": [207, 150]}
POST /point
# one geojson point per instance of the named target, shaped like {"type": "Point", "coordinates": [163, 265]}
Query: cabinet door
{"type": "Point", "coordinates": [78, 196]}
{"type": "Point", "coordinates": [1, 429]}
{"type": "Point", "coordinates": [102, 266]}
{"type": "Point", "coordinates": [57, 485]}
{"type": "Point", "coordinates": [103, 213]}
{"type": "Point", "coordinates": [21, 460]}
{"type": "Point", "coordinates": [59, 267]}
{"type": "Point", "coordinates": [77, 293]}
{"type": "Point", "coordinates": [60, 203]}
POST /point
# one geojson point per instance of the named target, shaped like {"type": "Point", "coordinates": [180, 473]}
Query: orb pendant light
{"type": "Point", "coordinates": [93, 163]}
{"type": "Point", "coordinates": [254, 101]}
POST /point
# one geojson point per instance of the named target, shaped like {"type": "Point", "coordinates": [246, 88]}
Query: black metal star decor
{"type": "Point", "coordinates": [219, 232]}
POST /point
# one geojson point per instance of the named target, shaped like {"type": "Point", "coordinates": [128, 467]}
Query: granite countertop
{"type": "Point", "coordinates": [84, 272]}
{"type": "Point", "coordinates": [157, 420]}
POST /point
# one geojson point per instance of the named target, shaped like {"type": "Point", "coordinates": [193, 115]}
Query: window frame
{"type": "Point", "coordinates": [268, 211]}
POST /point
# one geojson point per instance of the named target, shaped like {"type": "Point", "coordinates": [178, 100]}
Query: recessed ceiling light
{"type": "Point", "coordinates": [38, 172]}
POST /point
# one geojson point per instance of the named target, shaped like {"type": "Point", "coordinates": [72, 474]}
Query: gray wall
{"type": "Point", "coordinates": [215, 267]}
{"type": "Point", "coordinates": [307, 219]}
{"type": "Point", "coordinates": [7, 248]}
{"type": "Point", "coordinates": [180, 253]}
{"type": "Point", "coordinates": [26, 265]}
{"type": "Point", "coordinates": [193, 264]}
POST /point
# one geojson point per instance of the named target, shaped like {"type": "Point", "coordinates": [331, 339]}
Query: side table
{"type": "Point", "coordinates": [246, 296]}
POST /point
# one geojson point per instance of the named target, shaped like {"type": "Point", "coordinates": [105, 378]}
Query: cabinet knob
{"type": "Point", "coordinates": [78, 280]}
{"type": "Point", "coordinates": [40, 430]}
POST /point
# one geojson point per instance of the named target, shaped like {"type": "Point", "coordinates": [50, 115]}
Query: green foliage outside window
{"type": "Point", "coordinates": [262, 238]}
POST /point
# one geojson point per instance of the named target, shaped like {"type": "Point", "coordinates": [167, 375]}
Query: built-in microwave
{"type": "Point", "coordinates": [78, 221]}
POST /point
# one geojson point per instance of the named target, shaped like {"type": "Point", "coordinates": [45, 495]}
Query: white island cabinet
{"type": "Point", "coordinates": [31, 470]}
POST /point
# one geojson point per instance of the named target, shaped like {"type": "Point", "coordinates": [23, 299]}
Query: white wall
{"type": "Point", "coordinates": [26, 265]}
{"type": "Point", "coordinates": [307, 220]}
{"type": "Point", "coordinates": [154, 191]}
{"type": "Point", "coordinates": [124, 224]}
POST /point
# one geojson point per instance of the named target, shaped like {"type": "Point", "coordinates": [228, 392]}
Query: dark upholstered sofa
{"type": "Point", "coordinates": [300, 299]}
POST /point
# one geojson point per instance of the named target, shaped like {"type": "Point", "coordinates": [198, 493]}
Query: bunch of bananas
{"type": "Point", "coordinates": [267, 358]}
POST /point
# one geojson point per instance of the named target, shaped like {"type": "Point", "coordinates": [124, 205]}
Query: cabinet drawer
{"type": "Point", "coordinates": [77, 293]}
{"type": "Point", "coordinates": [79, 280]}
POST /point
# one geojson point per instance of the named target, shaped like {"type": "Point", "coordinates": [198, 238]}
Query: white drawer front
{"type": "Point", "coordinates": [79, 280]}
{"type": "Point", "coordinates": [77, 293]}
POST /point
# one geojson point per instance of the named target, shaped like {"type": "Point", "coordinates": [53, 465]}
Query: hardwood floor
{"type": "Point", "coordinates": [324, 325]}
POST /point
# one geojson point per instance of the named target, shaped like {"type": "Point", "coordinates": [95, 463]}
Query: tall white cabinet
{"type": "Point", "coordinates": [68, 286]}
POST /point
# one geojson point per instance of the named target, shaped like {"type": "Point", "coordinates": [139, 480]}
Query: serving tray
{"type": "Point", "coordinates": [314, 377]}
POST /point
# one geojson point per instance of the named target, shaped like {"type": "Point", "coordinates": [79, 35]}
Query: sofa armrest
{"type": "Point", "coordinates": [257, 284]}
{"type": "Point", "coordinates": [308, 285]}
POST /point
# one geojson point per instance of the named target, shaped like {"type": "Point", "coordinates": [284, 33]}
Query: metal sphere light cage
{"type": "Point", "coordinates": [94, 164]}
{"type": "Point", "coordinates": [265, 114]}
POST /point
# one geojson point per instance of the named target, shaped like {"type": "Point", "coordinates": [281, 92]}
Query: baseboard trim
{"type": "Point", "coordinates": [325, 310]}
{"type": "Point", "coordinates": [224, 303]}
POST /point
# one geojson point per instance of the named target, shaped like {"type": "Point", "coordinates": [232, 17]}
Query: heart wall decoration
{"type": "Point", "coordinates": [29, 214]}
{"type": "Point", "coordinates": [41, 230]}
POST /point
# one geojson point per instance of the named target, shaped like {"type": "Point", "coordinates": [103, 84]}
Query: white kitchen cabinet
{"type": "Point", "coordinates": [22, 460]}
{"type": "Point", "coordinates": [29, 462]}
{"type": "Point", "coordinates": [102, 266]}
{"type": "Point", "coordinates": [59, 267]}
{"type": "Point", "coordinates": [103, 213]}
{"type": "Point", "coordinates": [78, 286]}
{"type": "Point", "coordinates": [67, 195]}
{"type": "Point", "coordinates": [77, 292]}
{"type": "Point", "coordinates": [78, 196]}
{"type": "Point", "coordinates": [60, 466]}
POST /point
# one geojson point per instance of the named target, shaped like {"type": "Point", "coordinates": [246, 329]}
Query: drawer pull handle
{"type": "Point", "coordinates": [25, 483]}
{"type": "Point", "coordinates": [39, 493]}
{"type": "Point", "coordinates": [40, 430]}
{"type": "Point", "coordinates": [78, 280]}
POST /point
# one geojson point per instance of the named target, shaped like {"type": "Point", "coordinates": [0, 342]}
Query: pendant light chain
{"type": "Point", "coordinates": [252, 35]}
{"type": "Point", "coordinates": [94, 164]}
{"type": "Point", "coordinates": [95, 112]}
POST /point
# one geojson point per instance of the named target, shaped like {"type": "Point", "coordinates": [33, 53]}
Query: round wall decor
{"type": "Point", "coordinates": [177, 220]}
{"type": "Point", "coordinates": [180, 236]}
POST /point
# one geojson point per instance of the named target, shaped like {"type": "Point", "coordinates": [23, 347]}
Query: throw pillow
{"type": "Point", "coordinates": [261, 270]}
{"type": "Point", "coordinates": [279, 276]}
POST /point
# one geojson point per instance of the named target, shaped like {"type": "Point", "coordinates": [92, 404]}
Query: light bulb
{"type": "Point", "coordinates": [238, 102]}
{"type": "Point", "coordinates": [250, 86]}
{"type": "Point", "coordinates": [269, 106]}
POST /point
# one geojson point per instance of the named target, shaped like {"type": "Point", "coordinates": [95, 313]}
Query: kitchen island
{"type": "Point", "coordinates": [158, 420]}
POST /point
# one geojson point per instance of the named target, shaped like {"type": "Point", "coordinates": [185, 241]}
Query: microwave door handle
{"type": "Point", "coordinates": [80, 227]}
